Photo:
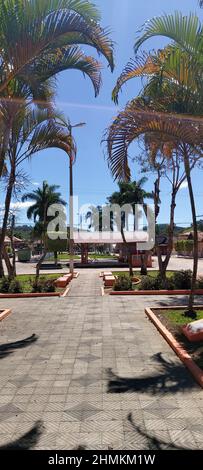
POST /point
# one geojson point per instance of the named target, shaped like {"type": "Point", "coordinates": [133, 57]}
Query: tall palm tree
{"type": "Point", "coordinates": [131, 193]}
{"type": "Point", "coordinates": [39, 39]}
{"type": "Point", "coordinates": [43, 198]}
{"type": "Point", "coordinates": [160, 113]}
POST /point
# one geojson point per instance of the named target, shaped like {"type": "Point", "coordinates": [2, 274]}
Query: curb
{"type": "Point", "coordinates": [4, 313]}
{"type": "Point", "coordinates": [65, 293]}
{"type": "Point", "coordinates": [177, 348]}
{"type": "Point", "coordinates": [156, 292]}
{"type": "Point", "coordinates": [30, 295]}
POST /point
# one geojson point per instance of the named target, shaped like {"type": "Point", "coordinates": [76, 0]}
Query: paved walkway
{"type": "Point", "coordinates": [97, 375]}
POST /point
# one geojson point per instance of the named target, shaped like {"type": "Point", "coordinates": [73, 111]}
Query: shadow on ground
{"type": "Point", "coordinates": [153, 442]}
{"type": "Point", "coordinates": [27, 441]}
{"type": "Point", "coordinates": [9, 348]}
{"type": "Point", "coordinates": [173, 301]}
{"type": "Point", "coordinates": [171, 378]}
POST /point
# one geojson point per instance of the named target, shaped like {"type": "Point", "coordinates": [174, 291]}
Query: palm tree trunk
{"type": "Point", "coordinates": [6, 215]}
{"type": "Point", "coordinates": [191, 312]}
{"type": "Point", "coordinates": [13, 271]}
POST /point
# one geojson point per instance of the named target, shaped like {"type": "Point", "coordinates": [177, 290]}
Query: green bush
{"type": "Point", "coordinates": [184, 246]}
{"type": "Point", "coordinates": [43, 285]}
{"type": "Point", "coordinates": [4, 285]}
{"type": "Point", "coordinates": [49, 286]}
{"type": "Point", "coordinates": [36, 286]}
{"type": "Point", "coordinates": [199, 283]}
{"type": "Point", "coordinates": [15, 287]}
{"type": "Point", "coordinates": [155, 283]}
{"type": "Point", "coordinates": [123, 283]}
{"type": "Point", "coordinates": [182, 279]}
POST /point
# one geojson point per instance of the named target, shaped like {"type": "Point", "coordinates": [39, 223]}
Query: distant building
{"type": "Point", "coordinates": [189, 236]}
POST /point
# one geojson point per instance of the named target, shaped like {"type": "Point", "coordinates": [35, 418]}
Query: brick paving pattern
{"type": "Point", "coordinates": [95, 373]}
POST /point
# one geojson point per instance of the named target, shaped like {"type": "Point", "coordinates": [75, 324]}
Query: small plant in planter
{"type": "Point", "coordinates": [123, 283]}
{"type": "Point", "coordinates": [15, 287]}
{"type": "Point", "coordinates": [4, 285]}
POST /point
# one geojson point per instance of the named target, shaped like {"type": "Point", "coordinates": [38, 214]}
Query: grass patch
{"type": "Point", "coordinates": [61, 257]}
{"type": "Point", "coordinates": [173, 320]}
{"type": "Point", "coordinates": [101, 256]}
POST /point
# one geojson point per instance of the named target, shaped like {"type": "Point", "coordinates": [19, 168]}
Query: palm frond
{"type": "Point", "coordinates": [29, 31]}
{"type": "Point", "coordinates": [59, 60]}
{"type": "Point", "coordinates": [170, 63]}
{"type": "Point", "coordinates": [52, 135]}
{"type": "Point", "coordinates": [183, 30]}
{"type": "Point", "coordinates": [134, 122]}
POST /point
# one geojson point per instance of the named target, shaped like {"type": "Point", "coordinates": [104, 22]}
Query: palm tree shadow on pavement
{"type": "Point", "coordinates": [154, 442]}
{"type": "Point", "coordinates": [27, 441]}
{"type": "Point", "coordinates": [8, 348]}
{"type": "Point", "coordinates": [172, 378]}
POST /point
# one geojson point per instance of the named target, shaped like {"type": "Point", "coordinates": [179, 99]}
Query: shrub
{"type": "Point", "coordinates": [15, 287]}
{"type": "Point", "coordinates": [182, 279]}
{"type": "Point", "coordinates": [43, 285]}
{"type": "Point", "coordinates": [148, 283]}
{"type": "Point", "coordinates": [199, 283]}
{"type": "Point", "coordinates": [123, 283]}
{"type": "Point", "coordinates": [36, 286]}
{"type": "Point", "coordinates": [48, 286]}
{"type": "Point", "coordinates": [4, 285]}
{"type": "Point", "coordinates": [156, 283]}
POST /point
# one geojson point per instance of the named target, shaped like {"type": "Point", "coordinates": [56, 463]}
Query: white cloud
{"type": "Point", "coordinates": [21, 205]}
{"type": "Point", "coordinates": [184, 185]}
{"type": "Point", "coordinates": [35, 183]}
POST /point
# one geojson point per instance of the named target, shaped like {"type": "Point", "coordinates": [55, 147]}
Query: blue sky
{"type": "Point", "coordinates": [92, 180]}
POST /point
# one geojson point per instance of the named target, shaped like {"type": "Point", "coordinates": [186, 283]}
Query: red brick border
{"type": "Point", "coordinates": [175, 345]}
{"type": "Point", "coordinates": [4, 313]}
{"type": "Point", "coordinates": [24, 295]}
{"type": "Point", "coordinates": [156, 292]}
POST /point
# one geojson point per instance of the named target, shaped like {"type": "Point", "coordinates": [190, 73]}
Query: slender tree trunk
{"type": "Point", "coordinates": [144, 258]}
{"type": "Point", "coordinates": [191, 311]}
{"type": "Point", "coordinates": [163, 264]}
{"type": "Point", "coordinates": [8, 263]}
{"type": "Point", "coordinates": [38, 265]}
{"type": "Point", "coordinates": [126, 244]}
{"type": "Point", "coordinates": [6, 215]}
{"type": "Point", "coordinates": [55, 257]}
{"type": "Point", "coordinates": [13, 248]}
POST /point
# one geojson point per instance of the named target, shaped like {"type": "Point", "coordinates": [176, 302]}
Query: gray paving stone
{"type": "Point", "coordinates": [99, 375]}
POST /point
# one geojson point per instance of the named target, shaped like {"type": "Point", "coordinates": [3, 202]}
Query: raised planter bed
{"type": "Point", "coordinates": [184, 356]}
{"type": "Point", "coordinates": [4, 313]}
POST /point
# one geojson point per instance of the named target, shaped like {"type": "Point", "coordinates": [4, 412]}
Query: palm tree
{"type": "Point", "coordinates": [39, 40]}
{"type": "Point", "coordinates": [150, 115]}
{"type": "Point", "coordinates": [131, 193]}
{"type": "Point", "coordinates": [43, 198]}
{"type": "Point", "coordinates": [29, 126]}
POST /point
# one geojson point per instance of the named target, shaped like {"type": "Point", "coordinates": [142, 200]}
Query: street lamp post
{"type": "Point", "coordinates": [71, 221]}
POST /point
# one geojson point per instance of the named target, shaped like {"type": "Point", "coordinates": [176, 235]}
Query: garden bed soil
{"type": "Point", "coordinates": [191, 354]}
